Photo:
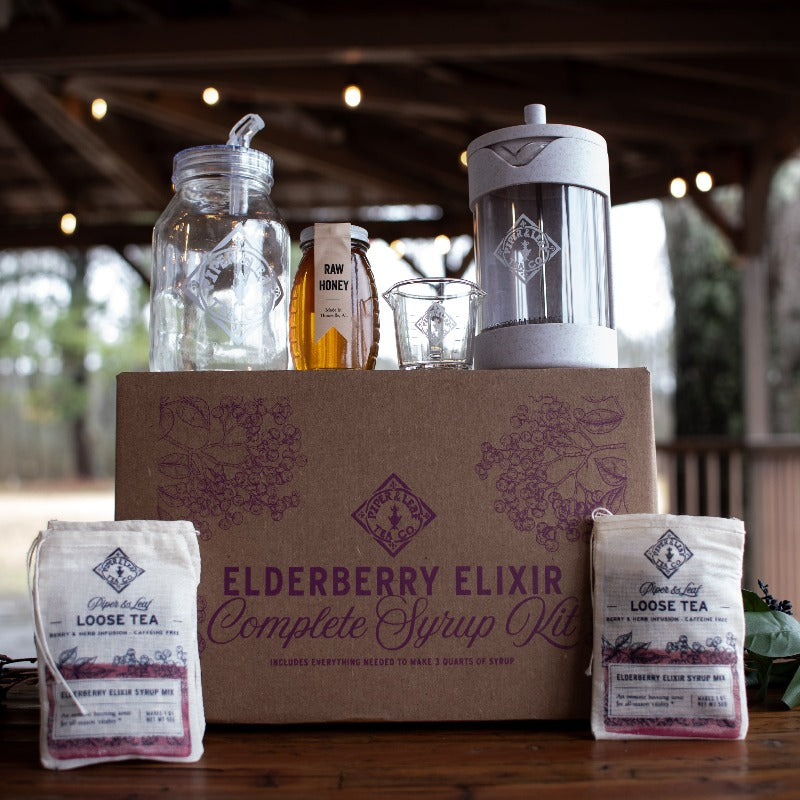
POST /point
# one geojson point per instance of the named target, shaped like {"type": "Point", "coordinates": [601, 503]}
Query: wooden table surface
{"type": "Point", "coordinates": [459, 761]}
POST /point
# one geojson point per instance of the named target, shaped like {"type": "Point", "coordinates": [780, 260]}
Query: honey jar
{"type": "Point", "coordinates": [333, 312]}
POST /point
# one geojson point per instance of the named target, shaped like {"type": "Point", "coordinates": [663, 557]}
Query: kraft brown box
{"type": "Point", "coordinates": [389, 545]}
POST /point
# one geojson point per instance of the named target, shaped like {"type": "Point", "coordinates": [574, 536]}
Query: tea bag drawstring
{"type": "Point", "coordinates": [598, 512]}
{"type": "Point", "coordinates": [38, 624]}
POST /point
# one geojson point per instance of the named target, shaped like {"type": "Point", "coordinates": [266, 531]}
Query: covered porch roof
{"type": "Point", "coordinates": [700, 85]}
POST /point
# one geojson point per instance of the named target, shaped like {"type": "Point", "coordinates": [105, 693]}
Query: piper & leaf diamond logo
{"type": "Point", "coordinates": [118, 571]}
{"type": "Point", "coordinates": [526, 248]}
{"type": "Point", "coordinates": [668, 554]}
{"type": "Point", "coordinates": [234, 267]}
{"type": "Point", "coordinates": [435, 323]}
{"type": "Point", "coordinates": [393, 515]}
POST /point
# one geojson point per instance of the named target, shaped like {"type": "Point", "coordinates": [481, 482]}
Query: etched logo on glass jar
{"type": "Point", "coordinates": [435, 323]}
{"type": "Point", "coordinates": [235, 286]}
{"type": "Point", "coordinates": [526, 248]}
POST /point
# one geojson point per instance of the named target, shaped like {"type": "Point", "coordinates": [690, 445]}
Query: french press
{"type": "Point", "coordinates": [540, 199]}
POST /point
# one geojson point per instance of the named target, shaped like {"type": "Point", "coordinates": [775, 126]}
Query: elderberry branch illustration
{"type": "Point", "coordinates": [557, 463]}
{"type": "Point", "coordinates": [584, 464]}
{"type": "Point", "coordinates": [227, 460]}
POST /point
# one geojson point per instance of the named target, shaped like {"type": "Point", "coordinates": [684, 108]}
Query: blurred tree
{"type": "Point", "coordinates": [708, 347]}
{"type": "Point", "coordinates": [783, 250]}
{"type": "Point", "coordinates": [71, 332]}
{"type": "Point", "coordinates": [69, 321]}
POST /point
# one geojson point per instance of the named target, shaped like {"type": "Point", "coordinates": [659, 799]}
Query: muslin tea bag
{"type": "Point", "coordinates": [667, 657]}
{"type": "Point", "coordinates": [115, 614]}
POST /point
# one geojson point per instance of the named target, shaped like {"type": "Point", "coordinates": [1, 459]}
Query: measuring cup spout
{"type": "Point", "coordinates": [390, 296]}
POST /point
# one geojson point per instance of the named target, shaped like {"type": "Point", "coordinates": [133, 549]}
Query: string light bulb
{"type": "Point", "coordinates": [678, 188]}
{"type": "Point", "coordinates": [398, 247]}
{"type": "Point", "coordinates": [99, 108]}
{"type": "Point", "coordinates": [463, 158]}
{"type": "Point", "coordinates": [442, 244]}
{"type": "Point", "coordinates": [68, 224]}
{"type": "Point", "coordinates": [352, 96]}
{"type": "Point", "coordinates": [703, 181]}
{"type": "Point", "coordinates": [210, 96]}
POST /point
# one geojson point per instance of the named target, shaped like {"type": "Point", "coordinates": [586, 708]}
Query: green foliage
{"type": "Point", "coordinates": [69, 322]}
{"type": "Point", "coordinates": [783, 238]}
{"type": "Point", "coordinates": [708, 348]}
{"type": "Point", "coordinates": [772, 649]}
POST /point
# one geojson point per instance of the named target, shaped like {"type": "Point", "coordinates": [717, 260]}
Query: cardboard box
{"type": "Point", "coordinates": [389, 545]}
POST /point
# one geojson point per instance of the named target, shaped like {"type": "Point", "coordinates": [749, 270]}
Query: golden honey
{"type": "Point", "coordinates": [352, 341]}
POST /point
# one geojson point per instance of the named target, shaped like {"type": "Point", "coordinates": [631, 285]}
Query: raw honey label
{"type": "Point", "coordinates": [332, 279]}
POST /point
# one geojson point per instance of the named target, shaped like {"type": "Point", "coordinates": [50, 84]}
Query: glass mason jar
{"type": "Point", "coordinates": [220, 266]}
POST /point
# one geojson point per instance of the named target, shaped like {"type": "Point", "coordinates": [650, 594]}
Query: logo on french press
{"type": "Point", "coordinates": [118, 571]}
{"type": "Point", "coordinates": [526, 248]}
{"type": "Point", "coordinates": [668, 554]}
{"type": "Point", "coordinates": [393, 515]}
{"type": "Point", "coordinates": [227, 279]}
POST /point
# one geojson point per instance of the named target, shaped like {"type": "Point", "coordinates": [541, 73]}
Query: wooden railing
{"type": "Point", "coordinates": [758, 482]}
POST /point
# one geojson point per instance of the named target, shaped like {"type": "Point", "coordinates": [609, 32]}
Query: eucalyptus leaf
{"type": "Point", "coordinates": [752, 602]}
{"type": "Point", "coordinates": [791, 697]}
{"type": "Point", "coordinates": [772, 634]}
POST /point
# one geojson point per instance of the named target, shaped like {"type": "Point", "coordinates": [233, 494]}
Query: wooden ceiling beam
{"type": "Point", "coordinates": [317, 88]}
{"type": "Point", "coordinates": [121, 162]}
{"type": "Point", "coordinates": [52, 193]}
{"type": "Point", "coordinates": [780, 79]}
{"type": "Point", "coordinates": [502, 102]}
{"type": "Point", "coordinates": [206, 126]}
{"type": "Point", "coordinates": [609, 98]}
{"type": "Point", "coordinates": [438, 170]}
{"type": "Point", "coordinates": [388, 37]}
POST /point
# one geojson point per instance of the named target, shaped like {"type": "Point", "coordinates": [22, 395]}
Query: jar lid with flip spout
{"type": "Point", "coordinates": [235, 159]}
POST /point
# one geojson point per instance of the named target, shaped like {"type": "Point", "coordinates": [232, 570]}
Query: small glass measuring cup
{"type": "Point", "coordinates": [434, 322]}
